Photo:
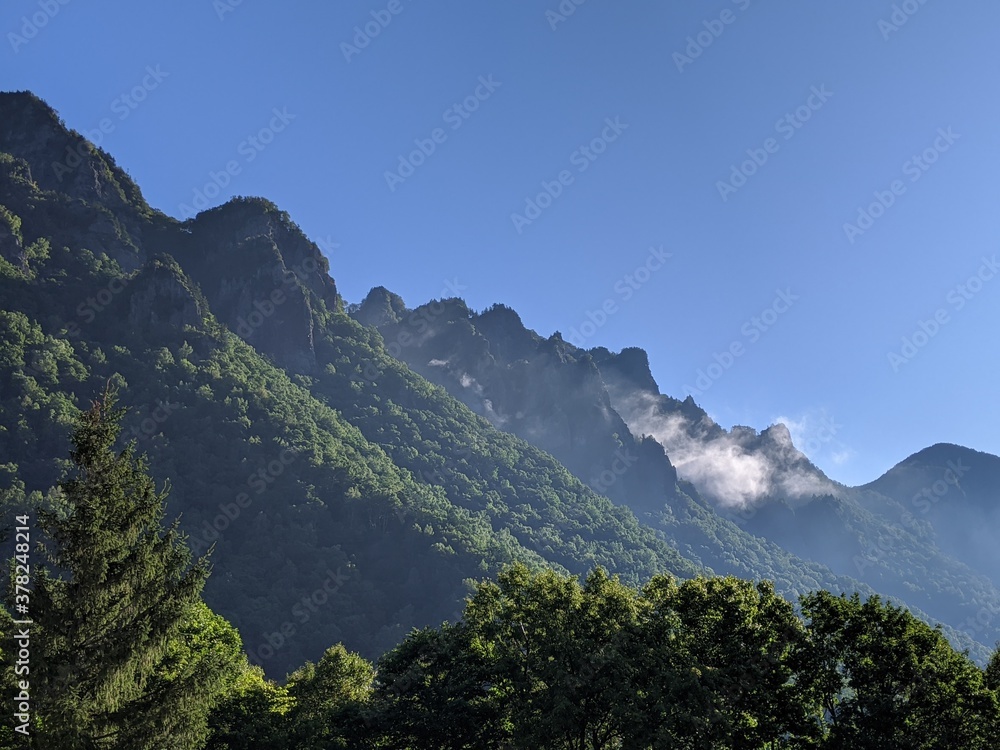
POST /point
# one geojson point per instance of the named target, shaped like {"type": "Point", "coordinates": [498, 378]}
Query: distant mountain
{"type": "Point", "coordinates": [357, 466]}
{"type": "Point", "coordinates": [737, 500]}
{"type": "Point", "coordinates": [954, 491]}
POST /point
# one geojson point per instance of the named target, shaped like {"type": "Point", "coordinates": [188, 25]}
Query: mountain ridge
{"type": "Point", "coordinates": [785, 497]}
{"type": "Point", "coordinates": [237, 350]}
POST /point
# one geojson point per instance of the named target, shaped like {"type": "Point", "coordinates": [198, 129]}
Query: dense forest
{"type": "Point", "coordinates": [243, 513]}
{"type": "Point", "coordinates": [907, 536]}
{"type": "Point", "coordinates": [124, 654]}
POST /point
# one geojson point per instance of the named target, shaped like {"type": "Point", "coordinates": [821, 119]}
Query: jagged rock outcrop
{"type": "Point", "coordinates": [78, 192]}
{"type": "Point", "coordinates": [546, 391]}
{"type": "Point", "coordinates": [160, 295]}
{"type": "Point", "coordinates": [262, 277]}
{"type": "Point", "coordinates": [628, 368]}
{"type": "Point", "coordinates": [60, 159]}
{"type": "Point", "coordinates": [380, 308]}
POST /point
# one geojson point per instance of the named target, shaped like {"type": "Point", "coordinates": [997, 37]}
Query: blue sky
{"type": "Point", "coordinates": [811, 112]}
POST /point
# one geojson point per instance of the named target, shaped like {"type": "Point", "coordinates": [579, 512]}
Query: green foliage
{"type": "Point", "coordinates": [540, 661]}
{"type": "Point", "coordinates": [728, 646]}
{"type": "Point", "coordinates": [11, 223]}
{"type": "Point", "coordinates": [124, 653]}
{"type": "Point", "coordinates": [992, 674]}
{"type": "Point", "coordinates": [252, 715]}
{"type": "Point", "coordinates": [328, 698]}
{"type": "Point", "coordinates": [886, 679]}
{"type": "Point", "coordinates": [350, 500]}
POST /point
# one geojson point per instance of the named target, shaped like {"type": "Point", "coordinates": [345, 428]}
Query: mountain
{"type": "Point", "coordinates": [953, 491]}
{"type": "Point", "coordinates": [773, 491]}
{"type": "Point", "coordinates": [356, 467]}
{"type": "Point", "coordinates": [347, 498]}
{"type": "Point", "coordinates": [740, 501]}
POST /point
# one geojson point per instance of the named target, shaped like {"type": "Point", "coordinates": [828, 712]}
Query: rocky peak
{"type": "Point", "coordinates": [509, 339]}
{"type": "Point", "coordinates": [248, 238]}
{"type": "Point", "coordinates": [262, 276]}
{"type": "Point", "coordinates": [380, 308]}
{"type": "Point", "coordinates": [62, 160]}
{"type": "Point", "coordinates": [630, 367]}
{"type": "Point", "coordinates": [777, 434]}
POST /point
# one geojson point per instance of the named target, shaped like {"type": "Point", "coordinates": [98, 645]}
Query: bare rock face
{"type": "Point", "coordinates": [62, 160]}
{"type": "Point", "coordinates": [262, 276]}
{"type": "Point", "coordinates": [380, 308]}
{"type": "Point", "coordinates": [53, 176]}
{"type": "Point", "coordinates": [159, 295]}
{"type": "Point", "coordinates": [630, 367]}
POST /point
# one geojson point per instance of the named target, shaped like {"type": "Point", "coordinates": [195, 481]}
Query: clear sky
{"type": "Point", "coordinates": [635, 116]}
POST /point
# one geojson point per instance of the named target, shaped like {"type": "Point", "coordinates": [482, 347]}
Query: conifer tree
{"type": "Point", "coordinates": [118, 597]}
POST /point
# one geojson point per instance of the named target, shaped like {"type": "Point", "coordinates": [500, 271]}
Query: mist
{"type": "Point", "coordinates": [736, 469]}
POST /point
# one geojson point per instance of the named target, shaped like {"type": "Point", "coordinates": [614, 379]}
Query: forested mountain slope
{"type": "Point", "coordinates": [348, 497]}
{"type": "Point", "coordinates": [742, 502]}
{"type": "Point", "coordinates": [266, 450]}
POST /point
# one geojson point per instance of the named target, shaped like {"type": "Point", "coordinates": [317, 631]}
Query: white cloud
{"type": "Point", "coordinates": [815, 434]}
{"type": "Point", "coordinates": [717, 462]}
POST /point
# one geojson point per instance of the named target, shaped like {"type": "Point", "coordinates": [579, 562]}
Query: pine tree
{"type": "Point", "coordinates": [118, 598]}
